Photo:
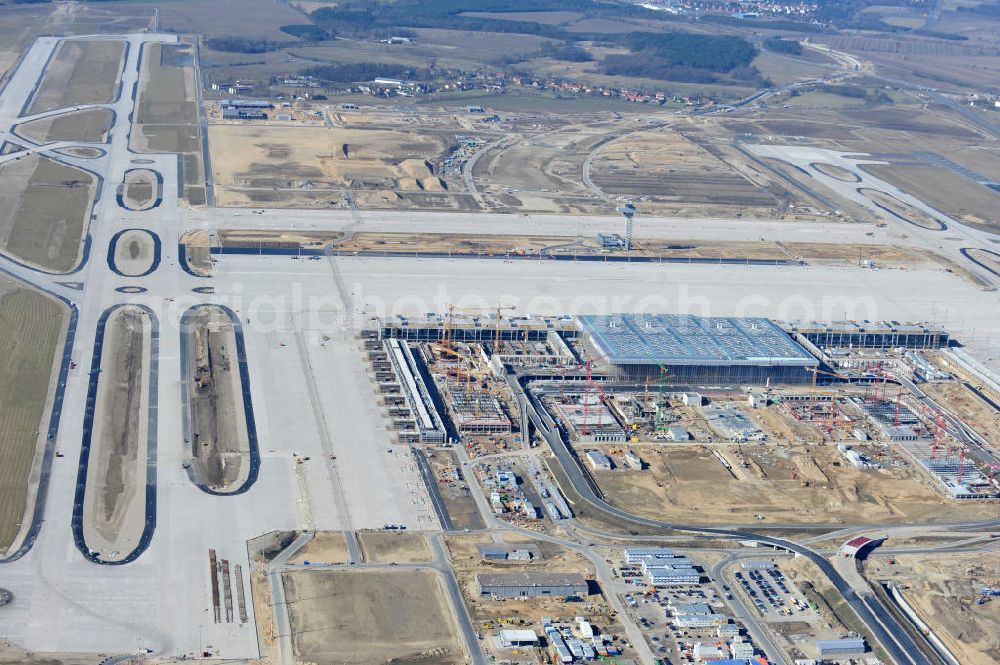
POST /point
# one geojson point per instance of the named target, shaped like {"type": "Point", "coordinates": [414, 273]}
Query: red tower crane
{"type": "Point", "coordinates": [937, 434]}
{"type": "Point", "coordinates": [961, 464]}
{"type": "Point", "coordinates": [586, 395]}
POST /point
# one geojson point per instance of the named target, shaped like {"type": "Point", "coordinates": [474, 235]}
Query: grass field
{"type": "Point", "coordinates": [140, 189]}
{"type": "Point", "coordinates": [19, 24]}
{"type": "Point", "coordinates": [900, 208]}
{"type": "Point", "coordinates": [30, 329]}
{"type": "Point", "coordinates": [959, 197]}
{"type": "Point", "coordinates": [45, 211]}
{"type": "Point", "coordinates": [134, 252]}
{"type": "Point", "coordinates": [167, 112]}
{"type": "Point", "coordinates": [80, 72]}
{"type": "Point", "coordinates": [89, 125]}
{"type": "Point", "coordinates": [251, 18]}
{"type": "Point", "coordinates": [664, 165]}
{"type": "Point", "coordinates": [394, 547]}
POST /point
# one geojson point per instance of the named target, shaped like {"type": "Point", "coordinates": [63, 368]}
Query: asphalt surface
{"type": "Point", "coordinates": [440, 509]}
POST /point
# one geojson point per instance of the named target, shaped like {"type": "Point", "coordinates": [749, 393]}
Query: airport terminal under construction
{"type": "Point", "coordinates": [615, 379]}
{"type": "Point", "coordinates": [258, 464]}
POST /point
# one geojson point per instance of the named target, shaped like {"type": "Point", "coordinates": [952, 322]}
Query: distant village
{"type": "Point", "coordinates": [493, 82]}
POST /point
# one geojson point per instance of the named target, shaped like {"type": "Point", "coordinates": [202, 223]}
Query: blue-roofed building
{"type": "Point", "coordinates": [637, 554]}
{"type": "Point", "coordinates": [697, 350]}
{"type": "Point", "coordinates": [842, 647]}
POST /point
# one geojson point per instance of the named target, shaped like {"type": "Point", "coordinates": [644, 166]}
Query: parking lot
{"type": "Point", "coordinates": [658, 623]}
{"type": "Point", "coordinates": [772, 594]}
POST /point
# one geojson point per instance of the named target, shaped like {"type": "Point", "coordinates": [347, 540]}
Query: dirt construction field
{"type": "Point", "coordinates": [44, 211]}
{"type": "Point", "coordinates": [114, 510]}
{"type": "Point", "coordinates": [80, 72]}
{"type": "Point", "coordinates": [394, 547]}
{"type": "Point", "coordinates": [793, 483]}
{"type": "Point", "coordinates": [89, 125]}
{"type": "Point", "coordinates": [370, 617]}
{"type": "Point", "coordinates": [325, 547]}
{"type": "Point", "coordinates": [663, 165]}
{"type": "Point", "coordinates": [943, 591]}
{"type": "Point", "coordinates": [220, 446]}
{"type": "Point", "coordinates": [251, 161]}
{"type": "Point", "coordinates": [140, 189]}
{"type": "Point", "coordinates": [31, 329]}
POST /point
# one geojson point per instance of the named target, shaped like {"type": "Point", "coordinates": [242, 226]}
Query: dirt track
{"type": "Point", "coordinates": [115, 498]}
{"type": "Point", "coordinates": [220, 446]}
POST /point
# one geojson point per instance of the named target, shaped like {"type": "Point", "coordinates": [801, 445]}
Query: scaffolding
{"type": "Point", "coordinates": [474, 411]}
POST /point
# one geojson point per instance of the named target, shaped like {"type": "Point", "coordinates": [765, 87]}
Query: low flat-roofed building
{"type": "Point", "coordinates": [663, 576]}
{"type": "Point", "coordinates": [689, 608]}
{"type": "Point", "coordinates": [740, 649]}
{"type": "Point", "coordinates": [727, 630]}
{"type": "Point", "coordinates": [675, 562]}
{"type": "Point", "coordinates": [701, 620]}
{"type": "Point", "coordinates": [508, 639]}
{"type": "Point", "coordinates": [870, 334]}
{"type": "Point", "coordinates": [598, 460]}
{"type": "Point", "coordinates": [637, 554]}
{"type": "Point", "coordinates": [757, 564]}
{"type": "Point", "coordinates": [492, 552]}
{"type": "Point", "coordinates": [851, 645]}
{"type": "Point", "coordinates": [530, 585]}
{"type": "Point", "coordinates": [708, 652]}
